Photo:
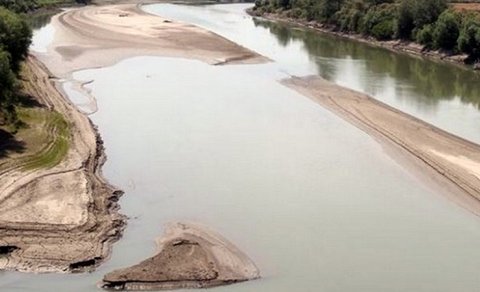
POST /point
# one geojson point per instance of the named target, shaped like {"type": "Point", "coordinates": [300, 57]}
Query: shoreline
{"type": "Point", "coordinates": [436, 155]}
{"type": "Point", "coordinates": [397, 46]}
{"type": "Point", "coordinates": [32, 238]}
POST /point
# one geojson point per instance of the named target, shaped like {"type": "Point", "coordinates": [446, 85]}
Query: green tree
{"type": "Point", "coordinates": [7, 84]}
{"type": "Point", "coordinates": [427, 11]}
{"type": "Point", "coordinates": [469, 39]}
{"type": "Point", "coordinates": [425, 36]}
{"type": "Point", "coordinates": [15, 37]}
{"type": "Point", "coordinates": [446, 32]}
{"type": "Point", "coordinates": [405, 19]}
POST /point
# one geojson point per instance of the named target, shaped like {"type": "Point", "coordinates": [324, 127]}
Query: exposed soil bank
{"type": "Point", "coordinates": [407, 47]}
{"type": "Point", "coordinates": [190, 256]}
{"type": "Point", "coordinates": [64, 218]}
{"type": "Point", "coordinates": [453, 158]}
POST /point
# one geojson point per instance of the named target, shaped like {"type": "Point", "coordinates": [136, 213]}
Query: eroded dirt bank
{"type": "Point", "coordinates": [64, 218]}
{"type": "Point", "coordinates": [435, 152]}
{"type": "Point", "coordinates": [190, 256]}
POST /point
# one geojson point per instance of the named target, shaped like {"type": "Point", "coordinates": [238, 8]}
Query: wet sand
{"type": "Point", "coordinates": [435, 152]}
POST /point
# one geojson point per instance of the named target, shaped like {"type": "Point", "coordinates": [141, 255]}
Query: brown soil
{"type": "Point", "coordinates": [466, 6]}
{"type": "Point", "coordinates": [189, 256]}
{"type": "Point", "coordinates": [63, 218]}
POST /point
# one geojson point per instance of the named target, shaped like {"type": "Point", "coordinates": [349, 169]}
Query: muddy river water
{"type": "Point", "coordinates": [316, 203]}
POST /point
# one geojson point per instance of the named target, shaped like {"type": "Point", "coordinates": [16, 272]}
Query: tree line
{"type": "Point", "coordinates": [431, 23]}
{"type": "Point", "coordinates": [15, 38]}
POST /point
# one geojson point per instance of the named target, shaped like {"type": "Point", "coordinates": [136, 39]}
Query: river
{"type": "Point", "coordinates": [316, 203]}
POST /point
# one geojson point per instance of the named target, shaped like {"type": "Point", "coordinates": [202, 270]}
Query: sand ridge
{"type": "Point", "coordinates": [455, 160]}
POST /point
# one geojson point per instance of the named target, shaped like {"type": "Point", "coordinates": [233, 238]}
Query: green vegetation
{"type": "Point", "coordinates": [56, 133]}
{"type": "Point", "coordinates": [44, 140]}
{"type": "Point", "coordinates": [31, 136]}
{"type": "Point", "coordinates": [24, 6]}
{"type": "Point", "coordinates": [429, 22]}
{"type": "Point", "coordinates": [15, 38]}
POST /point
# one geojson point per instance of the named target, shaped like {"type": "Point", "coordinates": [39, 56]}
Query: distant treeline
{"type": "Point", "coordinates": [429, 22]}
{"type": "Point", "coordinates": [23, 6]}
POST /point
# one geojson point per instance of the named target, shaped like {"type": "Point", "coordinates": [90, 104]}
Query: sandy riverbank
{"type": "Point", "coordinates": [98, 36]}
{"type": "Point", "coordinates": [437, 155]}
{"type": "Point", "coordinates": [63, 218]}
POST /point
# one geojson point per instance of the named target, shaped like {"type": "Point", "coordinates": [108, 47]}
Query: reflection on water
{"type": "Point", "coordinates": [40, 19]}
{"type": "Point", "coordinates": [439, 93]}
{"type": "Point", "coordinates": [432, 81]}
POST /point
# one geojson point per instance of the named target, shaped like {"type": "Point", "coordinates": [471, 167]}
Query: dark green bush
{"type": "Point", "coordinates": [447, 31]}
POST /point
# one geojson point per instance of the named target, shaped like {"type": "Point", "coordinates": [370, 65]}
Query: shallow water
{"type": "Point", "coordinates": [314, 201]}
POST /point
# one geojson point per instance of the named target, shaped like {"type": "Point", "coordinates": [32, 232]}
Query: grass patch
{"type": "Point", "coordinates": [44, 136]}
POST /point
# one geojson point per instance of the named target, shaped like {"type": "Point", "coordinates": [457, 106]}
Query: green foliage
{"type": "Point", "coordinates": [406, 19]}
{"type": "Point", "coordinates": [446, 32]}
{"type": "Point", "coordinates": [15, 36]}
{"type": "Point", "coordinates": [7, 85]}
{"type": "Point", "coordinates": [429, 22]}
{"type": "Point", "coordinates": [379, 22]}
{"type": "Point", "coordinates": [425, 36]}
{"type": "Point", "coordinates": [53, 152]}
{"type": "Point", "coordinates": [427, 11]}
{"type": "Point", "coordinates": [350, 16]}
{"type": "Point", "coordinates": [19, 5]}
{"type": "Point", "coordinates": [469, 39]}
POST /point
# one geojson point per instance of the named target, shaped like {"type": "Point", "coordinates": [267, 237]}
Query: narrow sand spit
{"type": "Point", "coordinates": [456, 160]}
{"type": "Point", "coordinates": [59, 219]}
{"type": "Point", "coordinates": [189, 256]}
{"type": "Point", "coordinates": [93, 37]}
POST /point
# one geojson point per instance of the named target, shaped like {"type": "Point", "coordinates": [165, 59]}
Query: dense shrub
{"type": "Point", "coordinates": [428, 22]}
{"type": "Point", "coordinates": [425, 36]}
{"type": "Point", "coordinates": [446, 32]}
{"type": "Point", "coordinates": [379, 22]}
{"type": "Point", "coordinates": [15, 36]}
{"type": "Point", "coordinates": [469, 39]}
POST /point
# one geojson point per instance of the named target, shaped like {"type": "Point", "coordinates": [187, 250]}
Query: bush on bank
{"type": "Point", "coordinates": [15, 38]}
{"type": "Point", "coordinates": [428, 22]}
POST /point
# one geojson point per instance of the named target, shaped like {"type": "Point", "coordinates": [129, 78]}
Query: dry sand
{"type": "Point", "coordinates": [93, 37]}
{"type": "Point", "coordinates": [452, 159]}
{"type": "Point", "coordinates": [189, 256]}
